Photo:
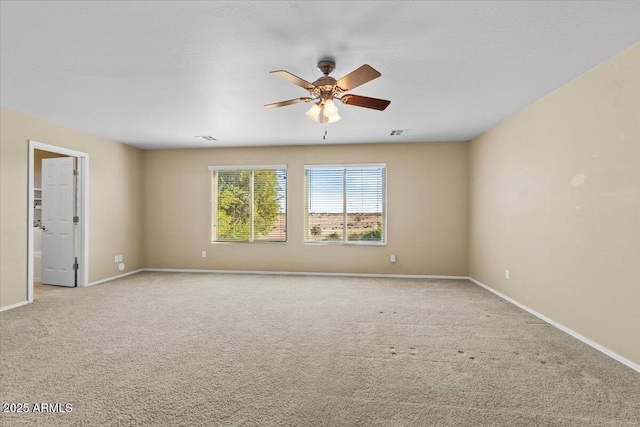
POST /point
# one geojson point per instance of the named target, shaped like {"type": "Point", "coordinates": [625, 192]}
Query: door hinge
{"type": "Point", "coordinates": [75, 172]}
{"type": "Point", "coordinates": [76, 266]}
{"type": "Point", "coordinates": [76, 219]}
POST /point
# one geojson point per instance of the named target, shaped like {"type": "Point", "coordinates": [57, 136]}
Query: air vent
{"type": "Point", "coordinates": [207, 137]}
{"type": "Point", "coordinates": [400, 132]}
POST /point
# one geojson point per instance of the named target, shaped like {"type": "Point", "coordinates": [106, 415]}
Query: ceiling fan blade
{"type": "Point", "coordinates": [293, 79]}
{"type": "Point", "coordinates": [365, 101]}
{"type": "Point", "coordinates": [358, 77]}
{"type": "Point", "coordinates": [289, 102]}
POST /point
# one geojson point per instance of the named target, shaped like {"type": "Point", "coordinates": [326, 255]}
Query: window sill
{"type": "Point", "coordinates": [259, 242]}
{"type": "Point", "coordinates": [347, 243]}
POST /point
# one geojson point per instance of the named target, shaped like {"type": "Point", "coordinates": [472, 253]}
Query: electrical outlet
{"type": "Point", "coordinates": [204, 254]}
{"type": "Point", "coordinates": [392, 258]}
{"type": "Point", "coordinates": [506, 274]}
{"type": "Point", "coordinates": [115, 258]}
{"type": "Point", "coordinates": [119, 258]}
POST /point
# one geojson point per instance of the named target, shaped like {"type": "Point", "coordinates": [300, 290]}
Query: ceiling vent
{"type": "Point", "coordinates": [400, 132]}
{"type": "Point", "coordinates": [207, 137]}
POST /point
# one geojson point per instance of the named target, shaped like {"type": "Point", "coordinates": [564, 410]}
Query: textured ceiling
{"type": "Point", "coordinates": [156, 74]}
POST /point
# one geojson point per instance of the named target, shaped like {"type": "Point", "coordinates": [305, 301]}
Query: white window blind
{"type": "Point", "coordinates": [249, 203]}
{"type": "Point", "coordinates": [345, 204]}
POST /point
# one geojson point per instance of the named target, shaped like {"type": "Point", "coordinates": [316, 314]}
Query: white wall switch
{"type": "Point", "coordinates": [392, 258]}
{"type": "Point", "coordinates": [506, 274]}
{"type": "Point", "coordinates": [115, 258]}
{"type": "Point", "coordinates": [204, 254]}
{"type": "Point", "coordinates": [119, 258]}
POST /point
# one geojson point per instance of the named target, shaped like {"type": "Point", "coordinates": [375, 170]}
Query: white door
{"type": "Point", "coordinates": [58, 243]}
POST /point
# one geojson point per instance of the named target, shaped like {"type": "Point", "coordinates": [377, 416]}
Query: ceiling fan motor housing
{"type": "Point", "coordinates": [326, 84]}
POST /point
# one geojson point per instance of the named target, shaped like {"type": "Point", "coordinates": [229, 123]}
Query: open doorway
{"type": "Point", "coordinates": [65, 243]}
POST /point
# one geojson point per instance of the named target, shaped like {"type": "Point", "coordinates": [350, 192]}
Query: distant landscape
{"type": "Point", "coordinates": [328, 226]}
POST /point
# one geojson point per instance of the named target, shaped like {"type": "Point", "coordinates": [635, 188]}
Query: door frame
{"type": "Point", "coordinates": [83, 207]}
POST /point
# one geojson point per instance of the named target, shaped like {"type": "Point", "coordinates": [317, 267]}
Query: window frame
{"type": "Point", "coordinates": [344, 241]}
{"type": "Point", "coordinates": [213, 194]}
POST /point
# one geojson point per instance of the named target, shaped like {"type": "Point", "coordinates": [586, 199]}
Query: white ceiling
{"type": "Point", "coordinates": [156, 74]}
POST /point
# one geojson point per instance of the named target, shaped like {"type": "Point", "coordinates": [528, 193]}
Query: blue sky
{"type": "Point", "coordinates": [364, 190]}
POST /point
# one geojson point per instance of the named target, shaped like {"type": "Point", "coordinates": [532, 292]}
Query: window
{"type": "Point", "coordinates": [249, 203]}
{"type": "Point", "coordinates": [345, 204]}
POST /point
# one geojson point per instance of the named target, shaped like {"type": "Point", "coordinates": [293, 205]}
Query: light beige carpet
{"type": "Point", "coordinates": [233, 350]}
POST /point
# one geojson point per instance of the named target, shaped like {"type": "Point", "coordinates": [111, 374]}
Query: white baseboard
{"type": "Point", "coordinates": [16, 305]}
{"type": "Point", "coordinates": [616, 356]}
{"type": "Point", "coordinates": [97, 282]}
{"type": "Point", "coordinates": [304, 273]}
{"type": "Point", "coordinates": [119, 276]}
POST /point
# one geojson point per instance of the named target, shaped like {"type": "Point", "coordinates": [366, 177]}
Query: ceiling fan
{"type": "Point", "coordinates": [324, 90]}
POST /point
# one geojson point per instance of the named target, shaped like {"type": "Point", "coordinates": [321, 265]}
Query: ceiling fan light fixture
{"type": "Point", "coordinates": [314, 112]}
{"type": "Point", "coordinates": [334, 118]}
{"type": "Point", "coordinates": [330, 108]}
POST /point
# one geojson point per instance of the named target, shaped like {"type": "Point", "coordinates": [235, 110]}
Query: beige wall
{"type": "Point", "coordinates": [555, 198]}
{"type": "Point", "coordinates": [115, 199]}
{"type": "Point", "coordinates": [427, 211]}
